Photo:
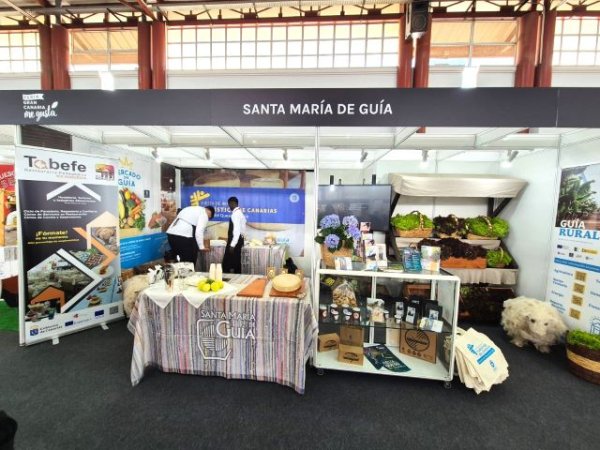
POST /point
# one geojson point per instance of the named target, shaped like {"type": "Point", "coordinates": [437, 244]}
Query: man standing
{"type": "Point", "coordinates": [186, 233]}
{"type": "Point", "coordinates": [232, 260]}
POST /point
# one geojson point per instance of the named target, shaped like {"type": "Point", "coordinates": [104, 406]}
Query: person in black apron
{"type": "Point", "coordinates": [185, 235]}
{"type": "Point", "coordinates": [232, 260]}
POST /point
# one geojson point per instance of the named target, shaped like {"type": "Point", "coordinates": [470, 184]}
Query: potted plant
{"type": "Point", "coordinates": [413, 225]}
{"type": "Point", "coordinates": [484, 227]}
{"type": "Point", "coordinates": [337, 238]}
{"type": "Point", "coordinates": [583, 353]}
{"type": "Point", "coordinates": [498, 258]}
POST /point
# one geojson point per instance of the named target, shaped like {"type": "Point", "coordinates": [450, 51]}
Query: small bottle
{"type": "Point", "coordinates": [212, 272]}
{"type": "Point", "coordinates": [219, 273]}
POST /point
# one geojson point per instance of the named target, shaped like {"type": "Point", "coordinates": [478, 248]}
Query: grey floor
{"type": "Point", "coordinates": [77, 395]}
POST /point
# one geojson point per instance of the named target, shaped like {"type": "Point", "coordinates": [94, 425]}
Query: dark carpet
{"type": "Point", "coordinates": [77, 395]}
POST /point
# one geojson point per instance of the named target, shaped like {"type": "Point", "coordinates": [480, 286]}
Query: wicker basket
{"type": "Point", "coordinates": [416, 233]}
{"type": "Point", "coordinates": [474, 237]}
{"type": "Point", "coordinates": [455, 235]}
{"type": "Point", "coordinates": [329, 257]}
{"type": "Point", "coordinates": [584, 362]}
{"type": "Point", "coordinates": [420, 232]}
{"type": "Point", "coordinates": [499, 266]}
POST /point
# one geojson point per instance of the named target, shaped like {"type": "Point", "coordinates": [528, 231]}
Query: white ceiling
{"type": "Point", "coordinates": [293, 147]}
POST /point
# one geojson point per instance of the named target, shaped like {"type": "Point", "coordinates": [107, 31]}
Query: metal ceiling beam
{"type": "Point", "coordinates": [162, 135]}
{"type": "Point", "coordinates": [146, 9]}
{"type": "Point", "coordinates": [579, 137]}
{"type": "Point", "coordinates": [493, 135]}
{"type": "Point", "coordinates": [86, 134]}
{"type": "Point", "coordinates": [21, 11]}
{"type": "Point", "coordinates": [399, 138]}
{"type": "Point", "coordinates": [237, 137]}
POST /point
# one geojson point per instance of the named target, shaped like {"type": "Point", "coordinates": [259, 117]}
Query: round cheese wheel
{"type": "Point", "coordinates": [286, 282]}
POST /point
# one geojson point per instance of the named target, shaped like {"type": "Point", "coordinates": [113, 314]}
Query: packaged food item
{"type": "Point", "coordinates": [344, 294]}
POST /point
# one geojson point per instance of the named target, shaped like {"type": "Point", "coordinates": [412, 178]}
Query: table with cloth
{"type": "Point", "coordinates": [192, 332]}
{"type": "Point", "coordinates": [255, 259]}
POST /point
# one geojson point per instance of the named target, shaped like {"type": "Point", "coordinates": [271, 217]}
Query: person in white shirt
{"type": "Point", "coordinates": [232, 260]}
{"type": "Point", "coordinates": [186, 233]}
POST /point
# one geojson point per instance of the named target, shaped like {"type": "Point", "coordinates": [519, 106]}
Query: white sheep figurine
{"type": "Point", "coordinates": [131, 289]}
{"type": "Point", "coordinates": [529, 320]}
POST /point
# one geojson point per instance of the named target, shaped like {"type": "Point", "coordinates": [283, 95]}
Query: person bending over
{"type": "Point", "coordinates": [186, 233]}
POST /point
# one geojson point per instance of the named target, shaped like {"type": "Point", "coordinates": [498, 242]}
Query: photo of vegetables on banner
{"type": "Point", "coordinates": [140, 218]}
{"type": "Point", "coordinates": [573, 284]}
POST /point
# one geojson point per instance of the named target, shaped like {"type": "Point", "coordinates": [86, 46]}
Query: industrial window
{"type": "Point", "coordinates": [303, 46]}
{"type": "Point", "coordinates": [576, 42]}
{"type": "Point", "coordinates": [473, 43]}
{"type": "Point", "coordinates": [104, 50]}
{"type": "Point", "coordinates": [19, 52]}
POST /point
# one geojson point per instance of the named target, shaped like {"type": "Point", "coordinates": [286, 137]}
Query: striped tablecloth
{"type": "Point", "coordinates": [264, 339]}
{"type": "Point", "coordinates": [255, 260]}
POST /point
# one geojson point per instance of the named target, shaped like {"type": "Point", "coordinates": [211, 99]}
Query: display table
{"type": "Point", "coordinates": [263, 339]}
{"type": "Point", "coordinates": [255, 259]}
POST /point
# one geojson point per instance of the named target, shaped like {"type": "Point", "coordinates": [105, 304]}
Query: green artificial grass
{"type": "Point", "coordinates": [9, 317]}
{"type": "Point", "coordinates": [578, 337]}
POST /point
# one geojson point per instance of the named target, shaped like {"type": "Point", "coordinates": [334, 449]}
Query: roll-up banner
{"type": "Point", "coordinates": [574, 281]}
{"type": "Point", "coordinates": [70, 276]}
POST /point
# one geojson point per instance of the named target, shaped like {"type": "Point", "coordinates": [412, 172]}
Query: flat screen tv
{"type": "Point", "coordinates": [368, 202]}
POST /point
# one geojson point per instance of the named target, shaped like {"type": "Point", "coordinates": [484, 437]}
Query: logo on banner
{"type": "Point", "coordinates": [217, 328]}
{"type": "Point", "coordinates": [105, 172]}
{"type": "Point", "coordinates": [36, 107]}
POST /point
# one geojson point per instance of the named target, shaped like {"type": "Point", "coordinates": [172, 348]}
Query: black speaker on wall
{"type": "Point", "coordinates": [417, 18]}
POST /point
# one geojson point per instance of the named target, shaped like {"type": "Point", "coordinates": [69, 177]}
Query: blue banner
{"type": "Point", "coordinates": [259, 205]}
{"type": "Point", "coordinates": [142, 249]}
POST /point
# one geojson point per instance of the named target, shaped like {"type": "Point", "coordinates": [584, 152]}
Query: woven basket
{"type": "Point", "coordinates": [472, 236]}
{"type": "Point", "coordinates": [584, 362]}
{"type": "Point", "coordinates": [416, 233]}
{"type": "Point", "coordinates": [420, 232]}
{"type": "Point", "coordinates": [476, 237]}
{"type": "Point", "coordinates": [498, 266]}
{"type": "Point", "coordinates": [329, 258]}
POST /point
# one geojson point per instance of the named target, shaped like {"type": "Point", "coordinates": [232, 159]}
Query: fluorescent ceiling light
{"type": "Point", "coordinates": [107, 81]}
{"type": "Point", "coordinates": [469, 77]}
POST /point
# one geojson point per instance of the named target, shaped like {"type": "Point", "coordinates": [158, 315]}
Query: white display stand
{"type": "Point", "coordinates": [444, 288]}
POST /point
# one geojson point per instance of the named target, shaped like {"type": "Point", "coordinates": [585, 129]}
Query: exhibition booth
{"type": "Point", "coordinates": [393, 232]}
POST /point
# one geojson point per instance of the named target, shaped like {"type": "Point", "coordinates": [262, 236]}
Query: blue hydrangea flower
{"type": "Point", "coordinates": [350, 221]}
{"type": "Point", "coordinates": [330, 221]}
{"type": "Point", "coordinates": [332, 241]}
{"type": "Point", "coordinates": [354, 232]}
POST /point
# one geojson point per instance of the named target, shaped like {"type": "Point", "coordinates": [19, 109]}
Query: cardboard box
{"type": "Point", "coordinates": [352, 335]}
{"type": "Point", "coordinates": [419, 344]}
{"type": "Point", "coordinates": [328, 342]}
{"type": "Point", "coordinates": [351, 354]}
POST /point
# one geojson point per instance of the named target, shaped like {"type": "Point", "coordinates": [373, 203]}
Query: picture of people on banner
{"type": "Point", "coordinates": [272, 201]}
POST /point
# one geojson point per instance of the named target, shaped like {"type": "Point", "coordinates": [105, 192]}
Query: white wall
{"type": "Point", "coordinates": [91, 80]}
{"type": "Point", "coordinates": [22, 81]}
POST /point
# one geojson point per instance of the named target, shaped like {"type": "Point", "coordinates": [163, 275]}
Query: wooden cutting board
{"type": "Point", "coordinates": [254, 289]}
{"type": "Point", "coordinates": [294, 294]}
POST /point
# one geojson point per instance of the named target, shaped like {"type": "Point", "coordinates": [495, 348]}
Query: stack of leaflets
{"type": "Point", "coordinates": [381, 356]}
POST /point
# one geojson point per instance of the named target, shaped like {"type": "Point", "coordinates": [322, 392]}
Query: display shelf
{"type": "Point", "coordinates": [488, 244]}
{"type": "Point", "coordinates": [418, 368]}
{"type": "Point", "coordinates": [507, 277]}
{"type": "Point", "coordinates": [391, 324]}
{"type": "Point", "coordinates": [444, 288]}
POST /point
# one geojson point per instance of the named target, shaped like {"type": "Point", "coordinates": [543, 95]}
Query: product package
{"type": "Point", "coordinates": [344, 294]}
{"type": "Point", "coordinates": [381, 357]}
{"type": "Point", "coordinates": [411, 259]}
{"type": "Point", "coordinates": [431, 258]}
